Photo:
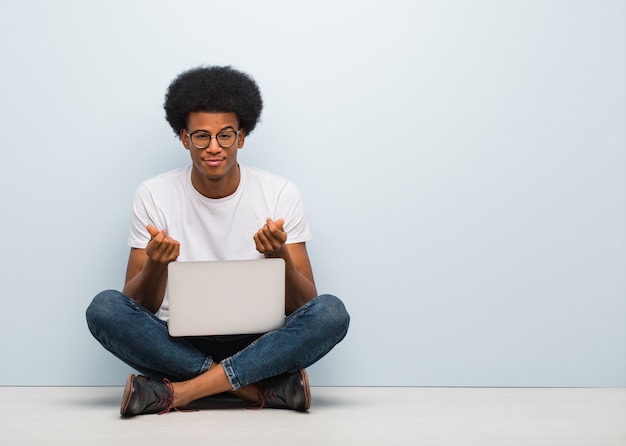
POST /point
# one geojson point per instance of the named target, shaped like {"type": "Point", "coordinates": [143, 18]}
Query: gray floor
{"type": "Point", "coordinates": [338, 416]}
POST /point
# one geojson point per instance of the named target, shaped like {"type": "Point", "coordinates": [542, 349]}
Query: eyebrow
{"type": "Point", "coordinates": [228, 127]}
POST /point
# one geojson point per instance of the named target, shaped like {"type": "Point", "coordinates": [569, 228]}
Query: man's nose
{"type": "Point", "coordinates": [213, 146]}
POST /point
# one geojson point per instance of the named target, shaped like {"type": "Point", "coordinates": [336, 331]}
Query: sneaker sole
{"type": "Point", "coordinates": [128, 391]}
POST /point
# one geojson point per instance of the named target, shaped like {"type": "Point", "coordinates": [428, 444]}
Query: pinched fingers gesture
{"type": "Point", "coordinates": [161, 248]}
{"type": "Point", "coordinates": [271, 236]}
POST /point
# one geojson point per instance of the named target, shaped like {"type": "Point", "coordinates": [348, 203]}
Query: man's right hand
{"type": "Point", "coordinates": [161, 248]}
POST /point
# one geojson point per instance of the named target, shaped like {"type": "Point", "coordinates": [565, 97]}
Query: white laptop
{"type": "Point", "coordinates": [226, 297]}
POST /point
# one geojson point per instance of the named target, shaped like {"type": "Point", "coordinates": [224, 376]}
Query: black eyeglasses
{"type": "Point", "coordinates": [201, 139]}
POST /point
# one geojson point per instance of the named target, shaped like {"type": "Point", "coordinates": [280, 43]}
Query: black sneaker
{"type": "Point", "coordinates": [286, 391]}
{"type": "Point", "coordinates": [143, 396]}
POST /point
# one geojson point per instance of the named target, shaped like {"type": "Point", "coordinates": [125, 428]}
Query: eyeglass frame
{"type": "Point", "coordinates": [211, 137]}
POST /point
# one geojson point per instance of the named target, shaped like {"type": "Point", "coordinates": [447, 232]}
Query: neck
{"type": "Point", "coordinates": [216, 187]}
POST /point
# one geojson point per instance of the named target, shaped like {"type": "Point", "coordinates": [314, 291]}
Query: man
{"type": "Point", "coordinates": [215, 209]}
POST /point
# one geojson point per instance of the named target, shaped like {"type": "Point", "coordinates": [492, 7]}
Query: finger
{"type": "Point", "coordinates": [153, 230]}
{"type": "Point", "coordinates": [170, 250]}
{"type": "Point", "coordinates": [278, 224]}
{"type": "Point", "coordinates": [258, 244]}
{"type": "Point", "coordinates": [155, 247]}
{"type": "Point", "coordinates": [276, 232]}
{"type": "Point", "coordinates": [261, 241]}
{"type": "Point", "coordinates": [165, 250]}
{"type": "Point", "coordinates": [271, 240]}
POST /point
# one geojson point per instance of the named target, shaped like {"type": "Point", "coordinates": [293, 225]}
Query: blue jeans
{"type": "Point", "coordinates": [140, 339]}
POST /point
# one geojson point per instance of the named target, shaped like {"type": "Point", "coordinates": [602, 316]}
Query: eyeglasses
{"type": "Point", "coordinates": [201, 139]}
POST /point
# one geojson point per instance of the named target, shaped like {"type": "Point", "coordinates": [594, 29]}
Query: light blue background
{"type": "Point", "coordinates": [463, 164]}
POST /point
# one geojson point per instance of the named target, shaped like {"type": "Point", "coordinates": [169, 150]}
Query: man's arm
{"type": "Point", "coordinates": [146, 272]}
{"type": "Point", "coordinates": [299, 283]}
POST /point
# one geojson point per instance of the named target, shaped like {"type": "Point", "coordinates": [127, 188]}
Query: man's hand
{"type": "Point", "coordinates": [161, 248]}
{"type": "Point", "coordinates": [271, 237]}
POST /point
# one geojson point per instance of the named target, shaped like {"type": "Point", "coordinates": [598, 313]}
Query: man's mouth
{"type": "Point", "coordinates": [213, 162]}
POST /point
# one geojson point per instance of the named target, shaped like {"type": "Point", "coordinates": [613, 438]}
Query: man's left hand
{"type": "Point", "coordinates": [271, 237]}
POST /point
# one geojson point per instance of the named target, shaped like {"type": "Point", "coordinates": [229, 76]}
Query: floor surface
{"type": "Point", "coordinates": [338, 416]}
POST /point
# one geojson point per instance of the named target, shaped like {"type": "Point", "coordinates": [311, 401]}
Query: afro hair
{"type": "Point", "coordinates": [213, 89]}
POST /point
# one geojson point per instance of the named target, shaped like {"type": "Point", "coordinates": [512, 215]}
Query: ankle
{"type": "Point", "coordinates": [249, 393]}
{"type": "Point", "coordinates": [180, 396]}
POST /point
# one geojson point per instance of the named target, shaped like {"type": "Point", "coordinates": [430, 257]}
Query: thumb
{"type": "Point", "coordinates": [152, 230]}
{"type": "Point", "coordinates": [279, 223]}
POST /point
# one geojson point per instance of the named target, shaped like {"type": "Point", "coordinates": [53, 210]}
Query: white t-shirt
{"type": "Point", "coordinates": [216, 229]}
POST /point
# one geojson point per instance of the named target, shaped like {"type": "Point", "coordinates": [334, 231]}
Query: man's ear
{"type": "Point", "coordinates": [184, 139]}
{"type": "Point", "coordinates": [241, 138]}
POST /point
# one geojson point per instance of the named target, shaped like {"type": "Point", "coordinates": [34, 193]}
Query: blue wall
{"type": "Point", "coordinates": [463, 165]}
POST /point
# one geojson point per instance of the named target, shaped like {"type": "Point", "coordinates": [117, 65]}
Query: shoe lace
{"type": "Point", "coordinates": [167, 401]}
{"type": "Point", "coordinates": [264, 397]}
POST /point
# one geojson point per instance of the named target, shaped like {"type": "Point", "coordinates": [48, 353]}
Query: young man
{"type": "Point", "coordinates": [215, 209]}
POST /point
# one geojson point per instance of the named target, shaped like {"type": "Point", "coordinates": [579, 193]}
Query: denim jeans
{"type": "Point", "coordinates": [140, 339]}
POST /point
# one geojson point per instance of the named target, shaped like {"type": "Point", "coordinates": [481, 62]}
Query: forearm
{"type": "Point", "coordinates": [299, 289]}
{"type": "Point", "coordinates": [147, 287]}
